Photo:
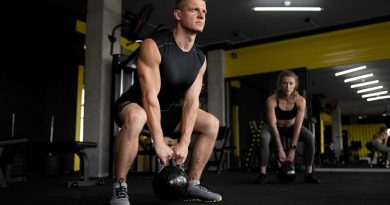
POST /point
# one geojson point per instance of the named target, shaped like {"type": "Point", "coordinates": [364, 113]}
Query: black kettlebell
{"type": "Point", "coordinates": [286, 172]}
{"type": "Point", "coordinates": [170, 182]}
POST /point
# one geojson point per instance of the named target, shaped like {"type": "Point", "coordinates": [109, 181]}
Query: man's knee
{"type": "Point", "coordinates": [133, 118]}
{"type": "Point", "coordinates": [212, 125]}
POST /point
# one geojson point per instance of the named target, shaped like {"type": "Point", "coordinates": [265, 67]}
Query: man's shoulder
{"type": "Point", "coordinates": [163, 36]}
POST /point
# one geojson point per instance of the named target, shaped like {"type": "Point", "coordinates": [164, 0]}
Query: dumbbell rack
{"type": "Point", "coordinates": [252, 158]}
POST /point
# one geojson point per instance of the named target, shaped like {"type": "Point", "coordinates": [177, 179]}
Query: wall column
{"type": "Point", "coordinates": [216, 85]}
{"type": "Point", "coordinates": [102, 16]}
{"type": "Point", "coordinates": [337, 131]}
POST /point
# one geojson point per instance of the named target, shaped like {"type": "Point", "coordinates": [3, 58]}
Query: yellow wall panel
{"type": "Point", "coordinates": [362, 133]}
{"type": "Point", "coordinates": [81, 27]}
{"type": "Point", "coordinates": [326, 118]}
{"type": "Point", "coordinates": [347, 46]}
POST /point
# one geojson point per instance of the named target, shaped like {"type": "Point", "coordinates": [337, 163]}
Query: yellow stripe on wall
{"type": "Point", "coordinates": [347, 46]}
{"type": "Point", "coordinates": [325, 119]}
{"type": "Point", "coordinates": [322, 136]}
{"type": "Point", "coordinates": [80, 84]}
{"type": "Point", "coordinates": [81, 27]}
{"type": "Point", "coordinates": [236, 133]}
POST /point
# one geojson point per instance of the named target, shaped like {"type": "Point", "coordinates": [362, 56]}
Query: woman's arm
{"type": "Point", "coordinates": [301, 104]}
{"type": "Point", "coordinates": [271, 104]}
{"type": "Point", "coordinates": [386, 137]}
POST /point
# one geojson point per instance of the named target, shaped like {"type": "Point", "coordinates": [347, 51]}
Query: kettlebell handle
{"type": "Point", "coordinates": [170, 163]}
{"type": "Point", "coordinates": [288, 163]}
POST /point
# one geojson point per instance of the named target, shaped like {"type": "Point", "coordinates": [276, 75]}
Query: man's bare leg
{"type": "Point", "coordinates": [126, 148]}
{"type": "Point", "coordinates": [126, 142]}
{"type": "Point", "coordinates": [207, 127]}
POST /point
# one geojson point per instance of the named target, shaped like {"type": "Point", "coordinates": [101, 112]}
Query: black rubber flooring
{"type": "Point", "coordinates": [237, 188]}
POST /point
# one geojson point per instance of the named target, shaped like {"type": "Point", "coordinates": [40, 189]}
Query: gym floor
{"type": "Point", "coordinates": [353, 186]}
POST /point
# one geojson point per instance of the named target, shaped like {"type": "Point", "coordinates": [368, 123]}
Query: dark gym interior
{"type": "Point", "coordinates": [43, 159]}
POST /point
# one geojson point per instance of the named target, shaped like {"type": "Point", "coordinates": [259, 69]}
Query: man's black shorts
{"type": "Point", "coordinates": [170, 117]}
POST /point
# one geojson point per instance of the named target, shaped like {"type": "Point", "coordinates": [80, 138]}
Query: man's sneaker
{"type": "Point", "coordinates": [197, 193]}
{"type": "Point", "coordinates": [261, 179]}
{"type": "Point", "coordinates": [119, 194]}
{"type": "Point", "coordinates": [310, 179]}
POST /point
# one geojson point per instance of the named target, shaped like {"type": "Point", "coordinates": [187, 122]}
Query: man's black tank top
{"type": "Point", "coordinates": [178, 71]}
{"type": "Point", "coordinates": [285, 114]}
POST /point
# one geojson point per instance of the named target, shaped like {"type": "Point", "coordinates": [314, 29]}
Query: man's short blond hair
{"type": "Point", "coordinates": [179, 4]}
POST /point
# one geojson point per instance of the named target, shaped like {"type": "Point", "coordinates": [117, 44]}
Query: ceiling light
{"type": "Point", "coordinates": [358, 77]}
{"type": "Point", "coordinates": [378, 98]}
{"type": "Point", "coordinates": [287, 8]}
{"type": "Point", "coordinates": [364, 84]}
{"type": "Point", "coordinates": [287, 3]}
{"type": "Point", "coordinates": [369, 89]}
{"type": "Point", "coordinates": [350, 70]}
{"type": "Point", "coordinates": [374, 94]}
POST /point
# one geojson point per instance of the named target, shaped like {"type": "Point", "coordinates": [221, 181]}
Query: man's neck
{"type": "Point", "coordinates": [184, 39]}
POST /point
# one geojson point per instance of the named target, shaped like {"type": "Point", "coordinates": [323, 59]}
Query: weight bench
{"type": "Point", "coordinates": [74, 147]}
{"type": "Point", "coordinates": [8, 143]}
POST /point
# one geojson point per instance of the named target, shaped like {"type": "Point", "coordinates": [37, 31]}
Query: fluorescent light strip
{"type": "Point", "coordinates": [358, 77]}
{"type": "Point", "coordinates": [364, 84]}
{"type": "Point", "coordinates": [378, 98]}
{"type": "Point", "coordinates": [287, 8]}
{"type": "Point", "coordinates": [369, 89]}
{"type": "Point", "coordinates": [350, 70]}
{"type": "Point", "coordinates": [374, 94]}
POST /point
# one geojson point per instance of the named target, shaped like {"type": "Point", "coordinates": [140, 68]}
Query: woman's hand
{"type": "Point", "coordinates": [282, 155]}
{"type": "Point", "coordinates": [291, 155]}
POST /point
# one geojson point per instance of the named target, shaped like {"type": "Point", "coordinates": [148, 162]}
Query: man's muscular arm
{"type": "Point", "coordinates": [150, 81]}
{"type": "Point", "coordinates": [189, 114]}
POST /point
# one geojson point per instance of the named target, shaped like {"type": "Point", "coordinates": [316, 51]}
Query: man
{"type": "Point", "coordinates": [170, 70]}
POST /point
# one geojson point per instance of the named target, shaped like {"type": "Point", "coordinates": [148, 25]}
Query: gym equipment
{"type": "Point", "coordinates": [74, 147]}
{"type": "Point", "coordinates": [131, 25]}
{"type": "Point", "coordinates": [136, 22]}
{"type": "Point", "coordinates": [252, 158]}
{"type": "Point", "coordinates": [286, 172]}
{"type": "Point", "coordinates": [221, 150]}
{"type": "Point", "coordinates": [11, 144]}
{"type": "Point", "coordinates": [23, 145]}
{"type": "Point", "coordinates": [170, 182]}
{"type": "Point", "coordinates": [354, 149]}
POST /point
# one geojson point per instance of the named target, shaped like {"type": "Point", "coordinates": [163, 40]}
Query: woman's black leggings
{"type": "Point", "coordinates": [381, 147]}
{"type": "Point", "coordinates": [305, 136]}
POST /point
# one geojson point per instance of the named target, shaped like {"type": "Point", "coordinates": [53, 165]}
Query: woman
{"type": "Point", "coordinates": [285, 110]}
{"type": "Point", "coordinates": [379, 142]}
